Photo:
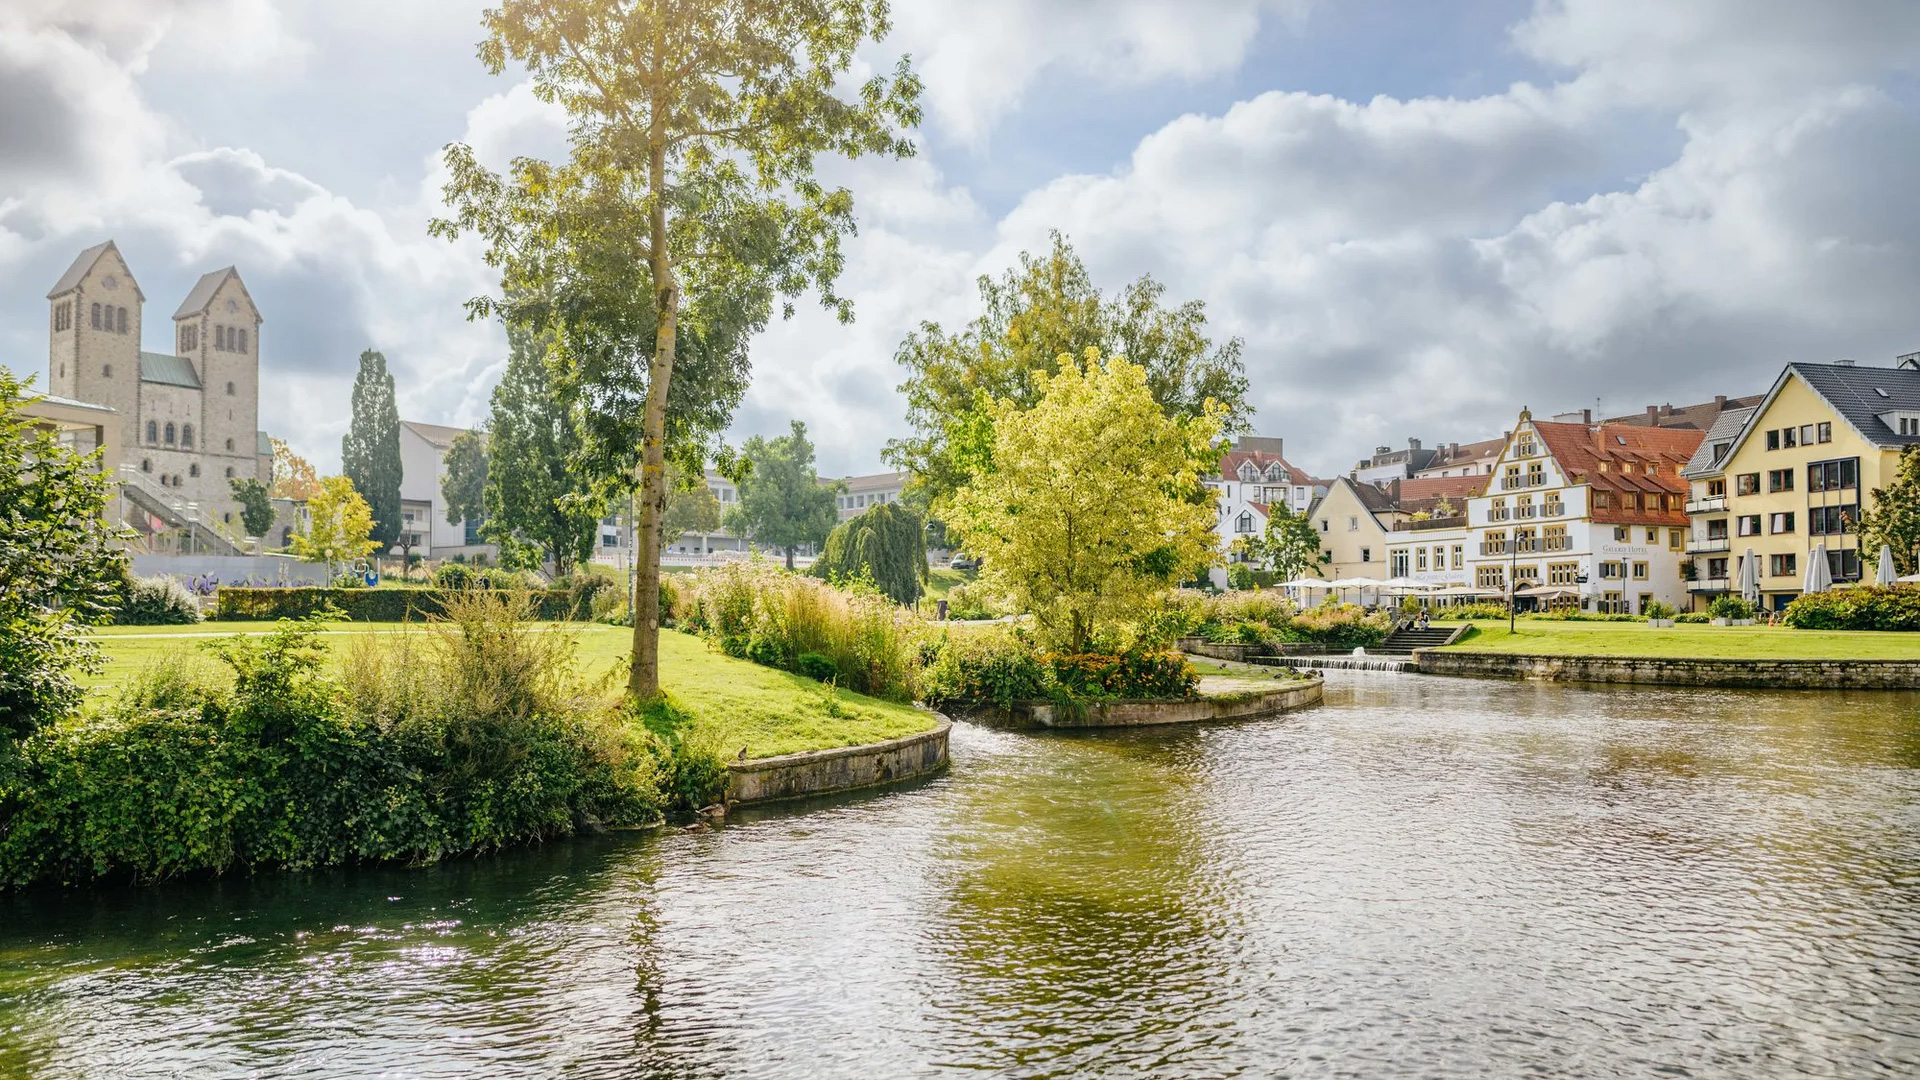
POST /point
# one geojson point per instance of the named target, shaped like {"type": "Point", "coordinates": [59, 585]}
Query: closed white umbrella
{"type": "Point", "coordinates": [1886, 574]}
{"type": "Point", "coordinates": [1750, 578]}
{"type": "Point", "coordinates": [1305, 583]}
{"type": "Point", "coordinates": [1819, 577]}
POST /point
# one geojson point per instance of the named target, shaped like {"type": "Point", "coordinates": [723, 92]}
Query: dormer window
{"type": "Point", "coordinates": [1243, 523]}
{"type": "Point", "coordinates": [1273, 471]}
{"type": "Point", "coordinates": [1248, 472]}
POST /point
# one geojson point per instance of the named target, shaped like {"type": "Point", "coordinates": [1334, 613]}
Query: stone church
{"type": "Point", "coordinates": [189, 417]}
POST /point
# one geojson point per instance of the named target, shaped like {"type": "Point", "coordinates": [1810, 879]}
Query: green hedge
{"type": "Point", "coordinates": [1862, 608]}
{"type": "Point", "coordinates": [368, 605]}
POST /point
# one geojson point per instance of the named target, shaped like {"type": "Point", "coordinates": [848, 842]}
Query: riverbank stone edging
{"type": "Point", "coordinates": [842, 768]}
{"type": "Point", "coordinates": [1676, 671]}
{"type": "Point", "coordinates": [1242, 705]}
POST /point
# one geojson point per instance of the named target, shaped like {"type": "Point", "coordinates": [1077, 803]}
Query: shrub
{"type": "Point", "coordinates": [610, 606]}
{"type": "Point", "coordinates": [1692, 617]}
{"type": "Point", "coordinates": [815, 666]}
{"type": "Point", "coordinates": [1866, 607]}
{"type": "Point", "coordinates": [1239, 576]}
{"type": "Point", "coordinates": [886, 545]}
{"type": "Point", "coordinates": [469, 736]}
{"type": "Point", "coordinates": [157, 601]}
{"type": "Point", "coordinates": [453, 575]}
{"type": "Point", "coordinates": [1730, 606]}
{"type": "Point", "coordinates": [988, 666]}
{"type": "Point", "coordinates": [1657, 609]}
{"type": "Point", "coordinates": [365, 605]}
{"type": "Point", "coordinates": [1342, 626]}
{"type": "Point", "coordinates": [1130, 675]}
{"type": "Point", "coordinates": [970, 602]}
{"type": "Point", "coordinates": [1472, 611]}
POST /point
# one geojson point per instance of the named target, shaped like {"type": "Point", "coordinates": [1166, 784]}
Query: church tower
{"type": "Point", "coordinates": [218, 329]}
{"type": "Point", "coordinates": [93, 323]}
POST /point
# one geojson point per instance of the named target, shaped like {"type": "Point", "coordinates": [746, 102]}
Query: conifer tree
{"type": "Point", "coordinates": [370, 451]}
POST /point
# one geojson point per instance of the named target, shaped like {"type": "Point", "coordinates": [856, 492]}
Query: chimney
{"type": "Point", "coordinates": [1719, 401]}
{"type": "Point", "coordinates": [1413, 444]}
{"type": "Point", "coordinates": [1910, 361]}
{"type": "Point", "coordinates": [1586, 417]}
{"type": "Point", "coordinates": [1382, 451]}
{"type": "Point", "coordinates": [1843, 362]}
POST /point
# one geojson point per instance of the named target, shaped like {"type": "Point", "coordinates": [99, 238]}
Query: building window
{"type": "Point", "coordinates": [186, 436]}
{"type": "Point", "coordinates": [1677, 538]}
{"type": "Point", "coordinates": [1823, 431]}
{"type": "Point", "coordinates": [1613, 570]}
{"type": "Point", "coordinates": [146, 465]}
{"type": "Point", "coordinates": [1243, 523]}
{"type": "Point", "coordinates": [1419, 558]}
{"type": "Point", "coordinates": [1563, 573]}
{"type": "Point", "coordinates": [1459, 556]}
{"type": "Point", "coordinates": [1512, 478]}
{"type": "Point", "coordinates": [1844, 565]}
{"type": "Point", "coordinates": [1490, 577]}
{"type": "Point", "coordinates": [229, 472]}
{"type": "Point", "coordinates": [1497, 510]}
{"type": "Point", "coordinates": [229, 446]}
{"type": "Point", "coordinates": [1621, 534]}
{"type": "Point", "coordinates": [1325, 525]}
{"type": "Point", "coordinates": [1717, 489]}
{"type": "Point", "coordinates": [1653, 535]}
{"type": "Point", "coordinates": [1783, 565]}
{"type": "Point", "coordinates": [1536, 474]}
{"type": "Point", "coordinates": [120, 318]}
{"type": "Point", "coordinates": [1717, 568]}
{"type": "Point", "coordinates": [472, 534]}
{"type": "Point", "coordinates": [1747, 525]}
{"type": "Point", "coordinates": [96, 317]}
{"type": "Point", "coordinates": [1779, 480]}
{"type": "Point", "coordinates": [153, 432]}
{"type": "Point", "coordinates": [170, 433]}
{"type": "Point", "coordinates": [1494, 543]}
{"type": "Point", "coordinates": [1781, 522]}
{"type": "Point", "coordinates": [1366, 554]}
{"type": "Point", "coordinates": [63, 315]}
{"type": "Point", "coordinates": [1641, 571]}
{"type": "Point", "coordinates": [1830, 520]}
{"type": "Point", "coordinates": [1747, 484]}
{"type": "Point", "coordinates": [106, 371]}
{"type": "Point", "coordinates": [1526, 446]}
{"type": "Point", "coordinates": [1353, 524]}
{"type": "Point", "coordinates": [243, 341]}
{"type": "Point", "coordinates": [1397, 562]}
{"type": "Point", "coordinates": [229, 389]}
{"type": "Point", "coordinates": [1555, 538]}
{"type": "Point", "coordinates": [1841, 475]}
{"type": "Point", "coordinates": [193, 469]}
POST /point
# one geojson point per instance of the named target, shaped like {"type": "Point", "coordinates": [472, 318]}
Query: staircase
{"type": "Point", "coordinates": [1403, 641]}
{"type": "Point", "coordinates": [140, 491]}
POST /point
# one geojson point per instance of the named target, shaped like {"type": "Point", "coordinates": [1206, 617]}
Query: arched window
{"type": "Point", "coordinates": [170, 433]}
{"type": "Point", "coordinates": [220, 338]}
{"type": "Point", "coordinates": [63, 371]}
{"type": "Point", "coordinates": [227, 517]}
{"type": "Point", "coordinates": [146, 465]}
{"type": "Point", "coordinates": [229, 446]}
{"type": "Point", "coordinates": [229, 394]}
{"type": "Point", "coordinates": [153, 432]}
{"type": "Point", "coordinates": [121, 318]}
{"type": "Point", "coordinates": [229, 472]}
{"type": "Point", "coordinates": [106, 371]}
{"type": "Point", "coordinates": [286, 535]}
{"type": "Point", "coordinates": [96, 316]}
{"type": "Point", "coordinates": [243, 340]}
{"type": "Point", "coordinates": [186, 436]}
{"type": "Point", "coordinates": [194, 469]}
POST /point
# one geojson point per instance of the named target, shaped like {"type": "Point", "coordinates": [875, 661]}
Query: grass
{"type": "Point", "coordinates": [1540, 637]}
{"type": "Point", "coordinates": [942, 580]}
{"type": "Point", "coordinates": [740, 704]}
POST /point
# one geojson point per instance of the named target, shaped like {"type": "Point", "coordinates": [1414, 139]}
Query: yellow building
{"type": "Point", "coordinates": [1797, 474]}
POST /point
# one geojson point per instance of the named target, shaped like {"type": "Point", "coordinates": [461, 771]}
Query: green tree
{"type": "Point", "coordinates": [339, 526]}
{"type": "Point", "coordinates": [1289, 545]}
{"type": "Point", "coordinates": [463, 488]}
{"type": "Point", "coordinates": [1095, 502]}
{"type": "Point", "coordinates": [1045, 308]}
{"type": "Point", "coordinates": [688, 203]}
{"type": "Point", "coordinates": [536, 505]}
{"type": "Point", "coordinates": [887, 544]}
{"type": "Point", "coordinates": [370, 450]}
{"type": "Point", "coordinates": [256, 506]}
{"type": "Point", "coordinates": [1893, 518]}
{"type": "Point", "coordinates": [59, 569]}
{"type": "Point", "coordinates": [782, 502]}
{"type": "Point", "coordinates": [691, 506]}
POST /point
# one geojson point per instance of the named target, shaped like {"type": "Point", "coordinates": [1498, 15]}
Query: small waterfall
{"type": "Point", "coordinates": [1362, 662]}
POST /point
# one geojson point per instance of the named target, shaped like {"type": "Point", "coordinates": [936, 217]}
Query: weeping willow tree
{"type": "Point", "coordinates": [887, 544]}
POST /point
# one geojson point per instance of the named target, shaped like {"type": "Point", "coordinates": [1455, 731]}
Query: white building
{"type": "Point", "coordinates": [1254, 477]}
{"type": "Point", "coordinates": [863, 492]}
{"type": "Point", "coordinates": [423, 511]}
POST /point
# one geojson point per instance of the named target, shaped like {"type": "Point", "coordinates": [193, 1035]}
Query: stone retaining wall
{"type": "Point", "coordinates": [845, 768]}
{"type": "Point", "coordinates": [1672, 671]}
{"type": "Point", "coordinates": [1245, 705]}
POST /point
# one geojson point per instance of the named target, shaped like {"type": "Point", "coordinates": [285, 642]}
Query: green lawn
{"type": "Point", "coordinates": [1706, 642]}
{"type": "Point", "coordinates": [941, 581]}
{"type": "Point", "coordinates": [767, 712]}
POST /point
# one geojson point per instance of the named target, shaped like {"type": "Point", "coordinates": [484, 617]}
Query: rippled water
{"type": "Point", "coordinates": [1422, 877]}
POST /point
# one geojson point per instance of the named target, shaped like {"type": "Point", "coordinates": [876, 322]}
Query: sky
{"type": "Point", "coordinates": [1419, 217]}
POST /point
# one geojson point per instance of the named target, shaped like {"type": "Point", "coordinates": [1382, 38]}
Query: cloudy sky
{"type": "Point", "coordinates": [1418, 220]}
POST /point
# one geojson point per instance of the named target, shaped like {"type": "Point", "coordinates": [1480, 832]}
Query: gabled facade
{"type": "Point", "coordinates": [1379, 532]}
{"type": "Point", "coordinates": [1798, 473]}
{"type": "Point", "coordinates": [1599, 510]}
{"type": "Point", "coordinates": [1462, 459]}
{"type": "Point", "coordinates": [1254, 477]}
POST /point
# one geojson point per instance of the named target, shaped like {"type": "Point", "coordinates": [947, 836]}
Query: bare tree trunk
{"type": "Point", "coordinates": [789, 556]}
{"type": "Point", "coordinates": [643, 676]}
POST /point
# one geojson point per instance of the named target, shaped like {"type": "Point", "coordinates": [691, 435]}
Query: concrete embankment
{"type": "Point", "coordinates": [1675, 671]}
{"type": "Point", "coordinates": [843, 768]}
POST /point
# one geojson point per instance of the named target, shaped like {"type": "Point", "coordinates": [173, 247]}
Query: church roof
{"type": "Point", "coordinates": [82, 263]}
{"type": "Point", "coordinates": [168, 370]}
{"type": "Point", "coordinates": [203, 291]}
{"type": "Point", "coordinates": [263, 446]}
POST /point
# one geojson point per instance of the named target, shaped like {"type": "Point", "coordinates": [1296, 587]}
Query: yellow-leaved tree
{"type": "Point", "coordinates": [1091, 501]}
{"type": "Point", "coordinates": [339, 527]}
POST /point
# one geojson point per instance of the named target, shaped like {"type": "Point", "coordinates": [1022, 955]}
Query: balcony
{"type": "Point", "coordinates": [1711, 584]}
{"type": "Point", "coordinates": [1712, 504]}
{"type": "Point", "coordinates": [1712, 545]}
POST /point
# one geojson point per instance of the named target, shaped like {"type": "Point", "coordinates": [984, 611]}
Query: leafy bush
{"type": "Point", "coordinates": [1695, 617]}
{"type": "Point", "coordinates": [693, 768]}
{"type": "Point", "coordinates": [1658, 609]}
{"type": "Point", "coordinates": [1472, 611]}
{"type": "Point", "coordinates": [1342, 626]}
{"type": "Point", "coordinates": [970, 602]}
{"type": "Point", "coordinates": [885, 545]}
{"type": "Point", "coordinates": [1866, 607]}
{"type": "Point", "coordinates": [815, 666]}
{"type": "Point", "coordinates": [366, 605]}
{"type": "Point", "coordinates": [759, 612]}
{"type": "Point", "coordinates": [453, 575]}
{"type": "Point", "coordinates": [989, 666]}
{"type": "Point", "coordinates": [1730, 606]}
{"type": "Point", "coordinates": [1131, 675]}
{"type": "Point", "coordinates": [1240, 576]}
{"type": "Point", "coordinates": [157, 601]}
{"type": "Point", "coordinates": [610, 606]}
{"type": "Point", "coordinates": [467, 737]}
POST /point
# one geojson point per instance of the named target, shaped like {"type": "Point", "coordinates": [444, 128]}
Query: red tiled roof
{"type": "Point", "coordinates": [1434, 488]}
{"type": "Point", "coordinates": [1447, 456]}
{"type": "Point", "coordinates": [1581, 450]}
{"type": "Point", "coordinates": [1230, 466]}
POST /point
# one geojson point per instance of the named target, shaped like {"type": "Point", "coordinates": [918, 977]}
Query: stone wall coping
{"type": "Point", "coordinates": [941, 727]}
{"type": "Point", "coordinates": [1635, 658]}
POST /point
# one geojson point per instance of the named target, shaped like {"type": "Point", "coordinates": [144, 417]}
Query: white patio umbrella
{"type": "Point", "coordinates": [1886, 575]}
{"type": "Point", "coordinates": [1819, 576]}
{"type": "Point", "coordinates": [1409, 584]}
{"type": "Point", "coordinates": [1750, 578]}
{"type": "Point", "coordinates": [1305, 583]}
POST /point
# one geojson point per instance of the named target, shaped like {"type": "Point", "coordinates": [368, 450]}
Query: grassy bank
{"type": "Point", "coordinates": [1546, 638]}
{"type": "Point", "coordinates": [739, 704]}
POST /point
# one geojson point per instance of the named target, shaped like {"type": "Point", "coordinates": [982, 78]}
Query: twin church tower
{"type": "Point", "coordinates": [189, 417]}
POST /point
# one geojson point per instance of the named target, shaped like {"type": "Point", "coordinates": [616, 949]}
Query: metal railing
{"type": "Point", "coordinates": [184, 514]}
{"type": "Point", "coordinates": [1710, 545]}
{"type": "Point", "coordinates": [1710, 584]}
{"type": "Point", "coordinates": [1712, 504]}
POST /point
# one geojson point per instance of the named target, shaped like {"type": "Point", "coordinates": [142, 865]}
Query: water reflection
{"type": "Point", "coordinates": [1425, 877]}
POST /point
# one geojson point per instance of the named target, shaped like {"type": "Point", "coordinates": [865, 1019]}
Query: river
{"type": "Point", "coordinates": [1421, 877]}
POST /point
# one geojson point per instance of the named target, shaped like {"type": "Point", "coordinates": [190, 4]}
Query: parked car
{"type": "Point", "coordinates": [963, 561]}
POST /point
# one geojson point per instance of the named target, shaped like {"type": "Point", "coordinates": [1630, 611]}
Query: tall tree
{"type": "Point", "coordinates": [688, 203]}
{"type": "Point", "coordinates": [1289, 546]}
{"type": "Point", "coordinates": [1095, 501]}
{"type": "Point", "coordinates": [1893, 518]}
{"type": "Point", "coordinates": [339, 526]}
{"type": "Point", "coordinates": [1045, 308]}
{"type": "Point", "coordinates": [462, 488]}
{"type": "Point", "coordinates": [887, 544]}
{"type": "Point", "coordinates": [60, 565]}
{"type": "Point", "coordinates": [536, 505]}
{"type": "Point", "coordinates": [370, 450]}
{"type": "Point", "coordinates": [256, 506]}
{"type": "Point", "coordinates": [691, 505]}
{"type": "Point", "coordinates": [782, 502]}
{"type": "Point", "coordinates": [293, 476]}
